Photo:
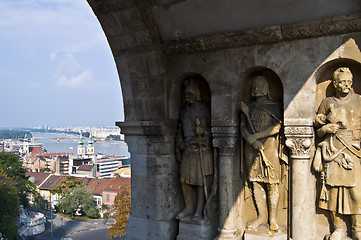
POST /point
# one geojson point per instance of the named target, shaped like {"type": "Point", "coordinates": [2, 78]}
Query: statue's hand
{"type": "Point", "coordinates": [317, 160]}
{"type": "Point", "coordinates": [320, 119]}
{"type": "Point", "coordinates": [257, 145]}
{"type": "Point", "coordinates": [317, 166]}
{"type": "Point", "coordinates": [251, 139]}
{"type": "Point", "coordinates": [330, 128]}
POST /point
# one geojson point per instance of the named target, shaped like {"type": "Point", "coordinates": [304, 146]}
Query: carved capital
{"type": "Point", "coordinates": [225, 139]}
{"type": "Point", "coordinates": [299, 139]}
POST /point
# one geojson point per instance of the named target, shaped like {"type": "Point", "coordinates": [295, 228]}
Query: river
{"type": "Point", "coordinates": [70, 144]}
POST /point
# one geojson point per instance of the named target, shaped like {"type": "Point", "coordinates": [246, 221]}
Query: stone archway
{"type": "Point", "coordinates": [149, 70]}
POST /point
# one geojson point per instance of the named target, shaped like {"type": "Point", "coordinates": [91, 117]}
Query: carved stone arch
{"type": "Point", "coordinates": [202, 84]}
{"type": "Point", "coordinates": [274, 82]}
{"type": "Point", "coordinates": [348, 55]}
{"type": "Point", "coordinates": [249, 210]}
{"type": "Point", "coordinates": [323, 78]}
{"type": "Point", "coordinates": [135, 42]}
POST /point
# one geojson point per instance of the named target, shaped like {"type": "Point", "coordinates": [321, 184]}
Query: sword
{"type": "Point", "coordinates": [200, 144]}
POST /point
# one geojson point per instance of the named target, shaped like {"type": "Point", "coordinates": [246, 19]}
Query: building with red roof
{"type": "Point", "coordinates": [112, 188]}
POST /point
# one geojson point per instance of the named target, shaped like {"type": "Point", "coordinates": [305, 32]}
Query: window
{"type": "Point", "coordinates": [108, 197]}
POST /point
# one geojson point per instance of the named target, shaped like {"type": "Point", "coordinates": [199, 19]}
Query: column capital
{"type": "Point", "coordinates": [299, 139]}
{"type": "Point", "coordinates": [225, 139]}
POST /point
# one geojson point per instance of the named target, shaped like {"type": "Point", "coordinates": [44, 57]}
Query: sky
{"type": "Point", "coordinates": [56, 66]}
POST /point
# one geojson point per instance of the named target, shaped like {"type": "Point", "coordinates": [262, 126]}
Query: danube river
{"type": "Point", "coordinates": [69, 143]}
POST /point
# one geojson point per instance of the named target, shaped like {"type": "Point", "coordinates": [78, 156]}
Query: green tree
{"type": "Point", "coordinates": [120, 210]}
{"type": "Point", "coordinates": [79, 200]}
{"type": "Point", "coordinates": [66, 186]}
{"type": "Point", "coordinates": [9, 205]}
{"type": "Point", "coordinates": [12, 167]}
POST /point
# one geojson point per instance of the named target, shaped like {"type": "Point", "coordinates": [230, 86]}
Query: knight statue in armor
{"type": "Point", "coordinates": [337, 158]}
{"type": "Point", "coordinates": [195, 154]}
{"type": "Point", "coordinates": [261, 122]}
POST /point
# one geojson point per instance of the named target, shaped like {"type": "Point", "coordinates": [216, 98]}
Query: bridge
{"type": "Point", "coordinates": [57, 139]}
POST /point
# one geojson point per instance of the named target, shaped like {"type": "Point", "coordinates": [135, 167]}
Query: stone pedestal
{"type": "Point", "coordinates": [189, 230]}
{"type": "Point", "coordinates": [263, 233]}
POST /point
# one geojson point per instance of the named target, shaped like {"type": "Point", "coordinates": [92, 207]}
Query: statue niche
{"type": "Point", "coordinates": [337, 158]}
{"type": "Point", "coordinates": [264, 157]}
{"type": "Point", "coordinates": [194, 152]}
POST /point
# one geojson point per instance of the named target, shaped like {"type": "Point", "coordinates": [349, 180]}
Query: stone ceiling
{"type": "Point", "coordinates": [182, 19]}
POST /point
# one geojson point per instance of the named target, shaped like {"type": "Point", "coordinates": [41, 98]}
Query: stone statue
{"type": "Point", "coordinates": [337, 157]}
{"type": "Point", "coordinates": [195, 154]}
{"type": "Point", "coordinates": [260, 127]}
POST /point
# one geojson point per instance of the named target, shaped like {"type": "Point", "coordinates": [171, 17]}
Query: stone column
{"type": "Point", "coordinates": [225, 139]}
{"type": "Point", "coordinates": [299, 139]}
{"type": "Point", "coordinates": [155, 179]}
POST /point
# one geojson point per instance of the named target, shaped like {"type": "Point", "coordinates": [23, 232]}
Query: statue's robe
{"type": "Point", "coordinates": [342, 176]}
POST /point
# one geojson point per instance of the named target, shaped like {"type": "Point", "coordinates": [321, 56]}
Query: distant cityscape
{"type": "Point", "coordinates": [100, 173]}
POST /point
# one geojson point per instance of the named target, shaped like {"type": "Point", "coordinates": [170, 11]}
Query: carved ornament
{"type": "Point", "coordinates": [299, 139]}
{"type": "Point", "coordinates": [225, 139]}
{"type": "Point", "coordinates": [267, 35]}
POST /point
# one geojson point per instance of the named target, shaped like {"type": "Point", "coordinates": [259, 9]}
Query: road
{"type": "Point", "coordinates": [99, 234]}
{"type": "Point", "coordinates": [65, 227]}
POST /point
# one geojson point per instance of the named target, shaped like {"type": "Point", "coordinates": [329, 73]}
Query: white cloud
{"type": "Point", "coordinates": [83, 80]}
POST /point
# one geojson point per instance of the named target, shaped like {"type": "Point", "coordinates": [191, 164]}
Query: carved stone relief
{"type": "Point", "coordinates": [265, 160]}
{"type": "Point", "coordinates": [267, 35]}
{"type": "Point", "coordinates": [338, 154]}
{"type": "Point", "coordinates": [198, 166]}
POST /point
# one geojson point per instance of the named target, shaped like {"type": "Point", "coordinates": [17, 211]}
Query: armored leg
{"type": "Point", "coordinates": [261, 204]}
{"type": "Point", "coordinates": [356, 226]}
{"type": "Point", "coordinates": [339, 232]}
{"type": "Point", "coordinates": [200, 204]}
{"type": "Point", "coordinates": [188, 193]}
{"type": "Point", "coordinates": [273, 197]}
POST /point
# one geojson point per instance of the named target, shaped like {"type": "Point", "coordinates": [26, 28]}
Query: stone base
{"type": "Point", "coordinates": [263, 233]}
{"type": "Point", "coordinates": [140, 229]}
{"type": "Point", "coordinates": [189, 230]}
{"type": "Point", "coordinates": [327, 237]}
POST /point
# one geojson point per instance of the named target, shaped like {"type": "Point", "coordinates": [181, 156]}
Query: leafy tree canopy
{"type": "Point", "coordinates": [81, 201]}
{"type": "Point", "coordinates": [12, 167]}
{"type": "Point", "coordinates": [120, 211]}
{"type": "Point", "coordinates": [14, 134]}
{"type": "Point", "coordinates": [66, 186]}
{"type": "Point", "coordinates": [9, 205]}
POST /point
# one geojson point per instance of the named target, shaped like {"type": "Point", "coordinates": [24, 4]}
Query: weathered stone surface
{"type": "Point", "coordinates": [297, 57]}
{"type": "Point", "coordinates": [188, 230]}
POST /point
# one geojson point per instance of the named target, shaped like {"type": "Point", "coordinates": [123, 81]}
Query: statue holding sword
{"type": "Point", "coordinates": [260, 127]}
{"type": "Point", "coordinates": [195, 153]}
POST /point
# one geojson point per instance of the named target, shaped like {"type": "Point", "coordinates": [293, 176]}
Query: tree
{"type": "Point", "coordinates": [12, 167]}
{"type": "Point", "coordinates": [120, 210]}
{"type": "Point", "coordinates": [66, 186]}
{"type": "Point", "coordinates": [81, 201]}
{"type": "Point", "coordinates": [9, 205]}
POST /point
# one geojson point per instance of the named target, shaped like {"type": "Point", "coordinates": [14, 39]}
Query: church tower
{"type": "Point", "coordinates": [26, 144]}
{"type": "Point", "coordinates": [90, 147]}
{"type": "Point", "coordinates": [81, 148]}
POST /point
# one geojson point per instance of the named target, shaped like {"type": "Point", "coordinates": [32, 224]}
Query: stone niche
{"type": "Point", "coordinates": [297, 59]}
{"type": "Point", "coordinates": [299, 74]}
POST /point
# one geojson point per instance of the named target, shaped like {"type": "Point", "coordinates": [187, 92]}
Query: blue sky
{"type": "Point", "coordinates": [56, 67]}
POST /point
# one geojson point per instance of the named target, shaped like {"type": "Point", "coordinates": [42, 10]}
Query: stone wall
{"type": "Point", "coordinates": [298, 59]}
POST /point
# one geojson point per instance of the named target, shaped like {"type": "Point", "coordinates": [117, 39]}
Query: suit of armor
{"type": "Point", "coordinates": [260, 127]}
{"type": "Point", "coordinates": [194, 152]}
